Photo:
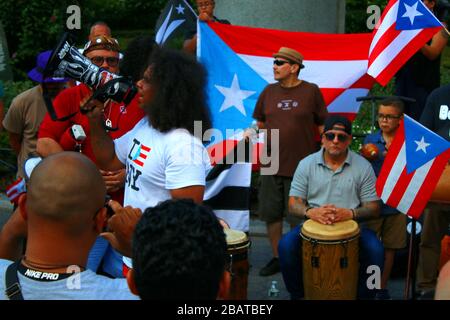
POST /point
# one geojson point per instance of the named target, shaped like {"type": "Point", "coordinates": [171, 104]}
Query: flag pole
{"type": "Point", "coordinates": [446, 30]}
{"type": "Point", "coordinates": [411, 274]}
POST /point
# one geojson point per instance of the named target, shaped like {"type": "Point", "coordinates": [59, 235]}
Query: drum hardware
{"type": "Point", "coordinates": [238, 266]}
{"type": "Point", "coordinates": [314, 257]}
{"type": "Point", "coordinates": [324, 248]}
{"type": "Point", "coordinates": [343, 262]}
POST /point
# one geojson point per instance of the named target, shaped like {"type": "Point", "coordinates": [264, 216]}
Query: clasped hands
{"type": "Point", "coordinates": [329, 214]}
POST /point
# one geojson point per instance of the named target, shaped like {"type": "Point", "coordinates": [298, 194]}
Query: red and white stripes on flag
{"type": "Point", "coordinates": [337, 63]}
{"type": "Point", "coordinates": [409, 193]}
{"type": "Point", "coordinates": [14, 190]}
{"type": "Point", "coordinates": [391, 48]}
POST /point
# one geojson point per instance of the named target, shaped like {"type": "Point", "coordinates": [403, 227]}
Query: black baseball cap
{"type": "Point", "coordinates": [333, 120]}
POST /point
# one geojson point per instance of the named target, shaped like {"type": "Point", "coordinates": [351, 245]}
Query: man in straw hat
{"type": "Point", "coordinates": [297, 109]}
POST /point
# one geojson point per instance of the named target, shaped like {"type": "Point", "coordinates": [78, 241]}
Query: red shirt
{"type": "Point", "coordinates": [68, 102]}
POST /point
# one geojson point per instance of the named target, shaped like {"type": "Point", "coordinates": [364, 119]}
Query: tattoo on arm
{"type": "Point", "coordinates": [367, 211]}
{"type": "Point", "coordinates": [297, 206]}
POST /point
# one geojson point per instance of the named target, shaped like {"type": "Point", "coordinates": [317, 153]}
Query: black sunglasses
{"type": "Point", "coordinates": [341, 137]}
{"type": "Point", "coordinates": [111, 61]}
{"type": "Point", "coordinates": [280, 62]}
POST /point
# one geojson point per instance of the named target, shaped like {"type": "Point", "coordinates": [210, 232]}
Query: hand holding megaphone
{"type": "Point", "coordinates": [67, 62]}
{"type": "Point", "coordinates": [92, 107]}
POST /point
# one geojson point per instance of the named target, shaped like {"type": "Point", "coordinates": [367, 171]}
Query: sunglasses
{"type": "Point", "coordinates": [280, 62]}
{"type": "Point", "coordinates": [111, 61]}
{"type": "Point", "coordinates": [341, 137]}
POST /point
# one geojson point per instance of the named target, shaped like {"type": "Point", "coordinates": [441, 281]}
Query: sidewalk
{"type": "Point", "coordinates": [260, 253]}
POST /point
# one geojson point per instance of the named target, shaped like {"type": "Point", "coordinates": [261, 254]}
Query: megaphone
{"type": "Point", "coordinates": [67, 62]}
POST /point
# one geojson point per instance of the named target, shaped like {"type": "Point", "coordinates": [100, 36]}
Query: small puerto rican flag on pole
{"type": "Point", "coordinates": [14, 190]}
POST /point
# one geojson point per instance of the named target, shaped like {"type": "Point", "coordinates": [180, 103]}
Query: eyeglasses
{"type": "Point", "coordinates": [341, 137]}
{"type": "Point", "coordinates": [111, 61]}
{"type": "Point", "coordinates": [279, 62]}
{"type": "Point", "coordinates": [388, 117]}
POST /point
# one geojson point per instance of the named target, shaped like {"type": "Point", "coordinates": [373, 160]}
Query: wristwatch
{"type": "Point", "coordinates": [306, 211]}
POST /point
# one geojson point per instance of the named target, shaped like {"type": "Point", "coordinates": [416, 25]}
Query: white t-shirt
{"type": "Point", "coordinates": [159, 162]}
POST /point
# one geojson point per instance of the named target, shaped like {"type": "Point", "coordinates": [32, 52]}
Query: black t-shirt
{"type": "Point", "coordinates": [423, 72]}
{"type": "Point", "coordinates": [190, 33]}
{"type": "Point", "coordinates": [436, 115]}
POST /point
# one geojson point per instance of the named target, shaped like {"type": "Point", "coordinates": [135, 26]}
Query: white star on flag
{"type": "Point", "coordinates": [412, 12]}
{"type": "Point", "coordinates": [234, 96]}
{"type": "Point", "coordinates": [422, 145]}
{"type": "Point", "coordinates": [180, 9]}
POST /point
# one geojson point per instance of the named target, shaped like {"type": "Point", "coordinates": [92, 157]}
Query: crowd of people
{"type": "Point", "coordinates": [114, 208]}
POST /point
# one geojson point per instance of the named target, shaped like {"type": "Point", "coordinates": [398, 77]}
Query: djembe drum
{"type": "Point", "coordinates": [330, 260]}
{"type": "Point", "coordinates": [237, 248]}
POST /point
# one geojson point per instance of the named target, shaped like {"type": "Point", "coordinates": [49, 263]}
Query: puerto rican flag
{"type": "Point", "coordinates": [141, 154]}
{"type": "Point", "coordinates": [227, 189]}
{"type": "Point", "coordinates": [405, 26]}
{"type": "Point", "coordinates": [239, 63]}
{"type": "Point", "coordinates": [14, 190]}
{"type": "Point", "coordinates": [412, 168]}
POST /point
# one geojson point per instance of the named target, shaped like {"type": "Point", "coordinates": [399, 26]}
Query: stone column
{"type": "Point", "coordinates": [326, 16]}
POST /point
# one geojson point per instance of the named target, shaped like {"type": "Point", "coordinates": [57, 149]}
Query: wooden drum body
{"type": "Point", "coordinates": [237, 242]}
{"type": "Point", "coordinates": [330, 260]}
{"type": "Point", "coordinates": [441, 193]}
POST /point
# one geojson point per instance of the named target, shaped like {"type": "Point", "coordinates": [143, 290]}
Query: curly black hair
{"type": "Point", "coordinates": [135, 57]}
{"type": "Point", "coordinates": [179, 82]}
{"type": "Point", "coordinates": [179, 252]}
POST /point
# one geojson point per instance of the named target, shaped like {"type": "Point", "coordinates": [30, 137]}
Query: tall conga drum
{"type": "Point", "coordinates": [441, 193]}
{"type": "Point", "coordinates": [330, 260]}
{"type": "Point", "coordinates": [237, 249]}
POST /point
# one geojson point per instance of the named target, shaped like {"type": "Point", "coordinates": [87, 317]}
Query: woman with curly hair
{"type": "Point", "coordinates": [162, 157]}
{"type": "Point", "coordinates": [137, 52]}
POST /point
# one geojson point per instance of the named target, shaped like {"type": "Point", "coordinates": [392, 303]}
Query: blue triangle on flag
{"type": "Point", "coordinates": [422, 145]}
{"type": "Point", "coordinates": [223, 65]}
{"type": "Point", "coordinates": [414, 15]}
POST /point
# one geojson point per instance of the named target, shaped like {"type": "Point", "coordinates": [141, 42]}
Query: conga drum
{"type": "Point", "coordinates": [441, 193]}
{"type": "Point", "coordinates": [330, 260]}
{"type": "Point", "coordinates": [237, 249]}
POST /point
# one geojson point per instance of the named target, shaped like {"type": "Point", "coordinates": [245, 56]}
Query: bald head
{"type": "Point", "coordinates": [65, 186]}
{"type": "Point", "coordinates": [99, 29]}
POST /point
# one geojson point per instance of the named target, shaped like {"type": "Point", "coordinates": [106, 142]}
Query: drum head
{"type": "Point", "coordinates": [336, 231]}
{"type": "Point", "coordinates": [236, 239]}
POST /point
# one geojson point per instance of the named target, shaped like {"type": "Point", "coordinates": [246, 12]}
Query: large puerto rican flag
{"type": "Point", "coordinates": [240, 64]}
{"type": "Point", "coordinates": [405, 26]}
{"type": "Point", "coordinates": [412, 168]}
